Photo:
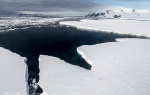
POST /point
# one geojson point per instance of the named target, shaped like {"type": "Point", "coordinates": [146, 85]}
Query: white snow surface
{"type": "Point", "coordinates": [114, 25]}
{"type": "Point", "coordinates": [119, 68]}
{"type": "Point", "coordinates": [12, 73]}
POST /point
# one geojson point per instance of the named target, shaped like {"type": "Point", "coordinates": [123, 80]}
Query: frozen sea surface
{"type": "Point", "coordinates": [115, 25]}
{"type": "Point", "coordinates": [12, 73]}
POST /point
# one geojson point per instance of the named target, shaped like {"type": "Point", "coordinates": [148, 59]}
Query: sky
{"type": "Point", "coordinates": [137, 4]}
{"type": "Point", "coordinates": [10, 6]}
{"type": "Point", "coordinates": [46, 5]}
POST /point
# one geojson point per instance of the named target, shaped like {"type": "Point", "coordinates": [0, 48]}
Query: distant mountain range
{"type": "Point", "coordinates": [38, 15]}
{"type": "Point", "coordinates": [120, 12]}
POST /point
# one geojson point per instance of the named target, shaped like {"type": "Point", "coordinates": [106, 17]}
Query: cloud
{"type": "Point", "coordinates": [48, 5]}
{"type": "Point", "coordinates": [139, 4]}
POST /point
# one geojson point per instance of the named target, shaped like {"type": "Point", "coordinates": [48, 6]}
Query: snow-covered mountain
{"type": "Point", "coordinates": [119, 12]}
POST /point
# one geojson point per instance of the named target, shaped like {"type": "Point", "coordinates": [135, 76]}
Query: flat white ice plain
{"type": "Point", "coordinates": [119, 68]}
{"type": "Point", "coordinates": [115, 25]}
{"type": "Point", "coordinates": [12, 73]}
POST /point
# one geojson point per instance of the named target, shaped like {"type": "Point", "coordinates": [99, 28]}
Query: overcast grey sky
{"type": "Point", "coordinates": [8, 6]}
